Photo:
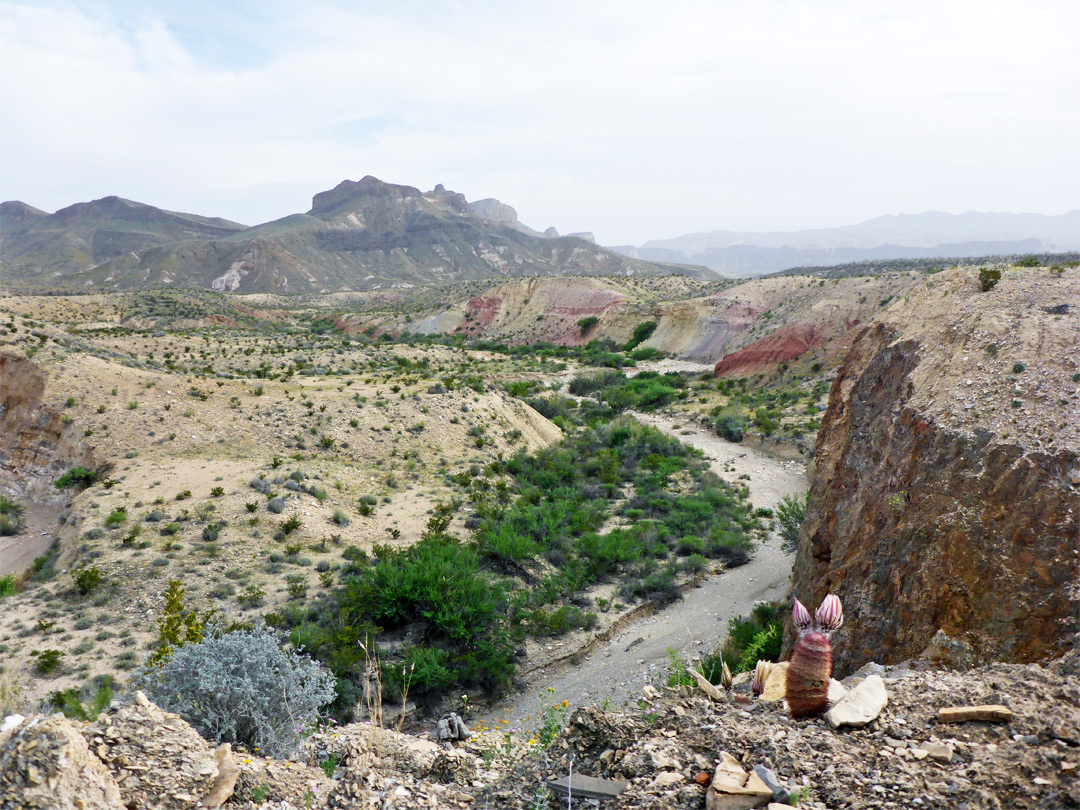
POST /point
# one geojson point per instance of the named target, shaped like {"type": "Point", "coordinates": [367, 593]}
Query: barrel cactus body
{"type": "Point", "coordinates": [810, 668]}
{"type": "Point", "coordinates": [808, 675]}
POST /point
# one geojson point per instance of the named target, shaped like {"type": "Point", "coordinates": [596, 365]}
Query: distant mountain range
{"type": "Point", "coordinates": [928, 235]}
{"type": "Point", "coordinates": [357, 236]}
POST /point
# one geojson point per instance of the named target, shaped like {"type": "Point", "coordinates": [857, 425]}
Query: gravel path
{"type": "Point", "coordinates": [617, 670]}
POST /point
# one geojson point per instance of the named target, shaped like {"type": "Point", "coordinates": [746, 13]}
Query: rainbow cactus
{"type": "Point", "coordinates": [811, 662]}
{"type": "Point", "coordinates": [761, 674]}
{"type": "Point", "coordinates": [725, 676]}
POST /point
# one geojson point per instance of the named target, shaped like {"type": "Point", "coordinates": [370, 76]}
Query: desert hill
{"type": "Point", "coordinates": [55, 246]}
{"type": "Point", "coordinates": [357, 236]}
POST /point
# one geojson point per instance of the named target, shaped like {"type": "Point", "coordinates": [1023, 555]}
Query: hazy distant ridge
{"type": "Point", "coordinates": [927, 235]}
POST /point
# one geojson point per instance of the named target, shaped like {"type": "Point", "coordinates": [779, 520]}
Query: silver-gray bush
{"type": "Point", "coordinates": [243, 687]}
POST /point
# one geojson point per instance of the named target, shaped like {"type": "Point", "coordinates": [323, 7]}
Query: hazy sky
{"type": "Point", "coordinates": [635, 120]}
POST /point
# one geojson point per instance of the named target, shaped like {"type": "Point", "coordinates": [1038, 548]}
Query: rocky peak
{"type": "Point", "coordinates": [349, 196]}
{"type": "Point", "coordinates": [454, 199]}
{"type": "Point", "coordinates": [16, 215]}
{"type": "Point", "coordinates": [493, 210]}
{"type": "Point", "coordinates": [588, 236]}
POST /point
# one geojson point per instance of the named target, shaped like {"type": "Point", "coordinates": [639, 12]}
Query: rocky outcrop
{"type": "Point", "coordinates": [493, 210]}
{"type": "Point", "coordinates": [34, 441]}
{"type": "Point", "coordinates": [133, 756]}
{"type": "Point", "coordinates": [45, 763]}
{"type": "Point", "coordinates": [939, 509]}
{"type": "Point", "coordinates": [787, 343]}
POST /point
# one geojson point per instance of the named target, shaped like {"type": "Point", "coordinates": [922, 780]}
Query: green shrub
{"type": "Point", "coordinates": [11, 517]}
{"type": "Point", "coordinates": [48, 661]}
{"type": "Point", "coordinates": [76, 477]}
{"type": "Point", "coordinates": [585, 324]}
{"type": "Point", "coordinates": [754, 637]}
{"type": "Point", "coordinates": [87, 580]}
{"type": "Point", "coordinates": [642, 332]}
{"type": "Point", "coordinates": [790, 514]}
{"type": "Point", "coordinates": [988, 278]}
{"type": "Point", "coordinates": [731, 426]}
{"type": "Point", "coordinates": [70, 701]}
{"type": "Point", "coordinates": [678, 674]}
{"type": "Point", "coordinates": [7, 585]}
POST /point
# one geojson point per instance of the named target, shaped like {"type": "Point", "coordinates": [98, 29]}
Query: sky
{"type": "Point", "coordinates": [633, 120]}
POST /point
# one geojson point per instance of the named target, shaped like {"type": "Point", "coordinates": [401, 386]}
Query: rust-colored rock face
{"type": "Point", "coordinates": [34, 441]}
{"type": "Point", "coordinates": [788, 343]}
{"type": "Point", "coordinates": [920, 518]}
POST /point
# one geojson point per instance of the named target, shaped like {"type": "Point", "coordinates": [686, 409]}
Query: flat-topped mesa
{"type": "Point", "coordinates": [351, 196]}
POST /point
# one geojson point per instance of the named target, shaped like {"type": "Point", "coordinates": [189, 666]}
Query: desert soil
{"type": "Point", "coordinates": [616, 670]}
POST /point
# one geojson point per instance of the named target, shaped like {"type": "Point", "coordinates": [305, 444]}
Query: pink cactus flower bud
{"type": "Point", "coordinates": [801, 616]}
{"type": "Point", "coordinates": [830, 615]}
{"type": "Point", "coordinates": [761, 674]}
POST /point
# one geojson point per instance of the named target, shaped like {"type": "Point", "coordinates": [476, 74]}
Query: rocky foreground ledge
{"type": "Point", "coordinates": [667, 751]}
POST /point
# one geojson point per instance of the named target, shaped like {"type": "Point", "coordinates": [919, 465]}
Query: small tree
{"type": "Point", "coordinates": [176, 627]}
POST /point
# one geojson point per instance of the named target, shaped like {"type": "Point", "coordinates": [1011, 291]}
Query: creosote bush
{"type": "Point", "coordinates": [243, 687]}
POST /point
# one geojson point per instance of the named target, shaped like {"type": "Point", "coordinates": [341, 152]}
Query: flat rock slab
{"type": "Point", "coordinates": [776, 684]}
{"type": "Point", "coordinates": [733, 788]}
{"type": "Point", "coordinates": [860, 705]}
{"type": "Point", "coordinates": [991, 713]}
{"type": "Point", "coordinates": [587, 787]}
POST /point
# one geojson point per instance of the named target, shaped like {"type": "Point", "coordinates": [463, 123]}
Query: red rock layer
{"type": "Point", "coordinates": [784, 344]}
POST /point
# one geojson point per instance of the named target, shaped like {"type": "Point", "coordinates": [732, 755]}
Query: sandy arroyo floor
{"type": "Point", "coordinates": [637, 655]}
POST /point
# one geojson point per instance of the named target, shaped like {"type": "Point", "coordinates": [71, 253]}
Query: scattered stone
{"type": "Point", "coordinates": [167, 759]}
{"type": "Point", "coordinates": [779, 792]}
{"type": "Point", "coordinates": [667, 779]}
{"type": "Point", "coordinates": [225, 783]}
{"type": "Point", "coordinates": [776, 685]}
{"type": "Point", "coordinates": [714, 692]}
{"type": "Point", "coordinates": [861, 705]}
{"type": "Point", "coordinates": [733, 788]}
{"type": "Point", "coordinates": [703, 778]}
{"type": "Point", "coordinates": [991, 713]}
{"type": "Point", "coordinates": [454, 766]}
{"type": "Point", "coordinates": [836, 691]}
{"type": "Point", "coordinates": [589, 787]}
{"type": "Point", "coordinates": [452, 727]}
{"type": "Point", "coordinates": [939, 752]}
